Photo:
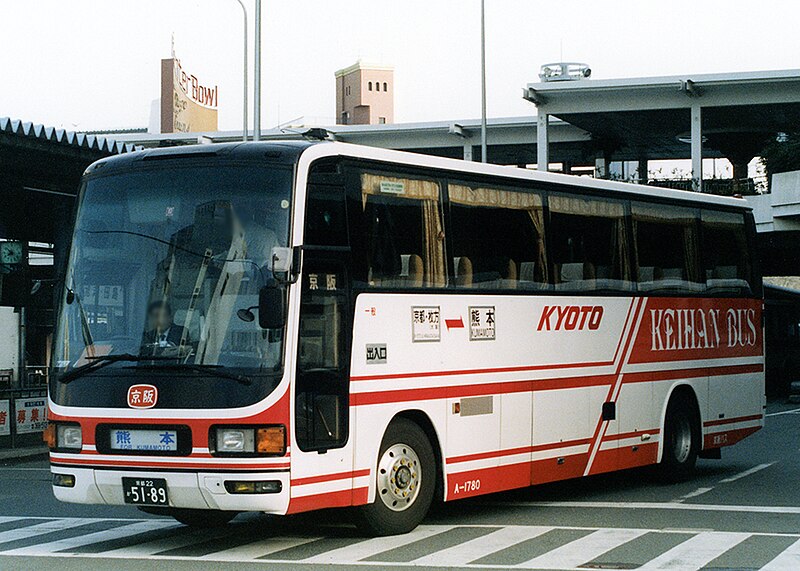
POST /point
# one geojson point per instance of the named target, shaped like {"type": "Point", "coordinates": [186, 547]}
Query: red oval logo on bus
{"type": "Point", "coordinates": [142, 396]}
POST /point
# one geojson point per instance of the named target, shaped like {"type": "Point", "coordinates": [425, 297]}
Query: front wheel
{"type": "Point", "coordinates": [681, 440]}
{"type": "Point", "coordinates": [405, 479]}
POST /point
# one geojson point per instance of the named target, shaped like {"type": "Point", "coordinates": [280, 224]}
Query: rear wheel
{"type": "Point", "coordinates": [681, 439]}
{"type": "Point", "coordinates": [405, 479]}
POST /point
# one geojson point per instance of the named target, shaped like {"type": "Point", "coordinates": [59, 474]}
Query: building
{"type": "Point", "coordinates": [365, 94]}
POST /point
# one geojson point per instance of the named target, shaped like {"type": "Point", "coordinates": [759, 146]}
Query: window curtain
{"type": "Point", "coordinates": [620, 244]}
{"type": "Point", "coordinates": [427, 192]}
{"type": "Point", "coordinates": [675, 216]}
{"type": "Point", "coordinates": [511, 200]}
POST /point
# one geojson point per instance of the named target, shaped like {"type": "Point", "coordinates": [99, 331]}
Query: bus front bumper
{"type": "Point", "coordinates": [193, 490]}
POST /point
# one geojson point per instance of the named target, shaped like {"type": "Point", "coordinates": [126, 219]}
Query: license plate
{"type": "Point", "coordinates": [145, 491]}
{"type": "Point", "coordinates": [144, 440]}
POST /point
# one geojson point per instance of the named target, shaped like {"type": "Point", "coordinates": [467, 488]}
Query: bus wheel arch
{"type": "Point", "coordinates": [405, 477]}
{"type": "Point", "coordinates": [422, 420]}
{"type": "Point", "coordinates": [681, 435]}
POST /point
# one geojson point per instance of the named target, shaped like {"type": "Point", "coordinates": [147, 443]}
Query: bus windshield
{"type": "Point", "coordinates": [162, 262]}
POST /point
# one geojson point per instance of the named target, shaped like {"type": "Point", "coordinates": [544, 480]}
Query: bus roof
{"type": "Point", "coordinates": [325, 149]}
{"type": "Point", "coordinates": [305, 152]}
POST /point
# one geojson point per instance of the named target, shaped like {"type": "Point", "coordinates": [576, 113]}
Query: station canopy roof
{"type": "Point", "coordinates": [650, 117]}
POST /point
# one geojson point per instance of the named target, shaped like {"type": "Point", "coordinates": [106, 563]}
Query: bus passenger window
{"type": "Point", "coordinates": [726, 261]}
{"type": "Point", "coordinates": [404, 236]}
{"type": "Point", "coordinates": [666, 248]}
{"type": "Point", "coordinates": [498, 238]}
{"type": "Point", "coordinates": [589, 244]}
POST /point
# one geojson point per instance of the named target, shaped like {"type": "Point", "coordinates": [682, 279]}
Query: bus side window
{"type": "Point", "coordinates": [667, 248]}
{"type": "Point", "coordinates": [403, 238]}
{"type": "Point", "coordinates": [589, 244]}
{"type": "Point", "coordinates": [726, 261]}
{"type": "Point", "coordinates": [498, 237]}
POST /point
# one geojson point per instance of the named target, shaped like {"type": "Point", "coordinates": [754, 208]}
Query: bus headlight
{"type": "Point", "coordinates": [262, 440]}
{"type": "Point", "coordinates": [69, 437]}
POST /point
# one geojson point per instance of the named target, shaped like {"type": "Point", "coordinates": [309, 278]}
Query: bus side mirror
{"type": "Point", "coordinates": [272, 306]}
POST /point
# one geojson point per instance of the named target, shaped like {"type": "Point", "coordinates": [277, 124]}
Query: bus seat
{"type": "Point", "coordinates": [672, 273]}
{"type": "Point", "coordinates": [527, 271]}
{"type": "Point", "coordinates": [464, 272]}
{"type": "Point", "coordinates": [647, 273]}
{"type": "Point", "coordinates": [725, 272]}
{"type": "Point", "coordinates": [416, 271]}
{"type": "Point", "coordinates": [512, 276]}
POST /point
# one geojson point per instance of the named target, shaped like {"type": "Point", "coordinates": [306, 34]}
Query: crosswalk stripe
{"type": "Point", "coordinates": [44, 527]}
{"type": "Point", "coordinates": [583, 550]}
{"type": "Point", "coordinates": [147, 548]}
{"type": "Point", "coordinates": [78, 541]}
{"type": "Point", "coordinates": [8, 519]}
{"type": "Point", "coordinates": [479, 547]}
{"type": "Point", "coordinates": [695, 553]}
{"type": "Point", "coordinates": [258, 549]}
{"type": "Point", "coordinates": [789, 560]}
{"type": "Point", "coordinates": [376, 545]}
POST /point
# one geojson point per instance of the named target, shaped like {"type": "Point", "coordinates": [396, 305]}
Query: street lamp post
{"type": "Point", "coordinates": [483, 84]}
{"type": "Point", "coordinates": [244, 73]}
{"type": "Point", "coordinates": [257, 76]}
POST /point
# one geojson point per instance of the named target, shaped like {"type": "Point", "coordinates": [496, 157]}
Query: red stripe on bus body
{"type": "Point", "coordinates": [495, 370]}
{"type": "Point", "coordinates": [624, 435]}
{"type": "Point", "coordinates": [520, 450]}
{"type": "Point", "coordinates": [672, 374]}
{"type": "Point", "coordinates": [90, 462]}
{"type": "Point", "coordinates": [330, 477]}
{"type": "Point", "coordinates": [727, 437]}
{"type": "Point", "coordinates": [340, 499]}
{"type": "Point", "coordinates": [733, 419]}
{"type": "Point", "coordinates": [480, 389]}
{"type": "Point", "coordinates": [499, 388]}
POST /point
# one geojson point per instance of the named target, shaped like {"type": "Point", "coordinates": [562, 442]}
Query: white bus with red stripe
{"type": "Point", "coordinates": [290, 327]}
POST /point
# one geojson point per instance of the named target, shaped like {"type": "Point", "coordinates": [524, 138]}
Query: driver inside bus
{"type": "Point", "coordinates": [162, 331]}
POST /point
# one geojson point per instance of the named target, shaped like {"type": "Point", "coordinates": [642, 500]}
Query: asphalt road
{"type": "Point", "coordinates": [741, 512]}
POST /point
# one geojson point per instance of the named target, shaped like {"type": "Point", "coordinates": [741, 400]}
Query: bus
{"type": "Point", "coordinates": [282, 327]}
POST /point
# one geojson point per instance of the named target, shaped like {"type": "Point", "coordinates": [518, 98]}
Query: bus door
{"type": "Point", "coordinates": [321, 412]}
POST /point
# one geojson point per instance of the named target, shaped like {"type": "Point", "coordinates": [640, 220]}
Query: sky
{"type": "Point", "coordinates": [94, 65]}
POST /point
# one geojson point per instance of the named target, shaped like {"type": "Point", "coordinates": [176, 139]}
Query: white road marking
{"type": "Point", "coordinates": [44, 527]}
{"type": "Point", "coordinates": [793, 411]}
{"type": "Point", "coordinates": [479, 547]}
{"type": "Point", "coordinates": [81, 540]}
{"type": "Point", "coordinates": [697, 492]}
{"type": "Point", "coordinates": [793, 510]}
{"type": "Point", "coordinates": [789, 560]}
{"type": "Point", "coordinates": [147, 548]}
{"type": "Point", "coordinates": [583, 550]}
{"type": "Point", "coordinates": [258, 549]}
{"type": "Point", "coordinates": [374, 546]}
{"type": "Point", "coordinates": [746, 473]}
{"type": "Point", "coordinates": [697, 552]}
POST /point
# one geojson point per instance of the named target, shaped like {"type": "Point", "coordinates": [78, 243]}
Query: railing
{"type": "Point", "coordinates": [719, 186]}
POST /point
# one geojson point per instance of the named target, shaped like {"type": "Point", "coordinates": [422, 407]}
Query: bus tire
{"type": "Point", "coordinates": [201, 519]}
{"type": "Point", "coordinates": [406, 480]}
{"type": "Point", "coordinates": [681, 439]}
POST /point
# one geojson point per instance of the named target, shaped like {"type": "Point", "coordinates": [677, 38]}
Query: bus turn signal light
{"type": "Point", "coordinates": [271, 440]}
{"type": "Point", "coordinates": [49, 436]}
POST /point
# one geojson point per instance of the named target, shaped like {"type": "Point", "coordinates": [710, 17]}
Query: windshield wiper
{"type": "Point", "coordinates": [103, 361]}
{"type": "Point", "coordinates": [208, 370]}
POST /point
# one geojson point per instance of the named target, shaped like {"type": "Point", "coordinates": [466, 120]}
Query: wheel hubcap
{"type": "Point", "coordinates": [399, 477]}
{"type": "Point", "coordinates": [682, 440]}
